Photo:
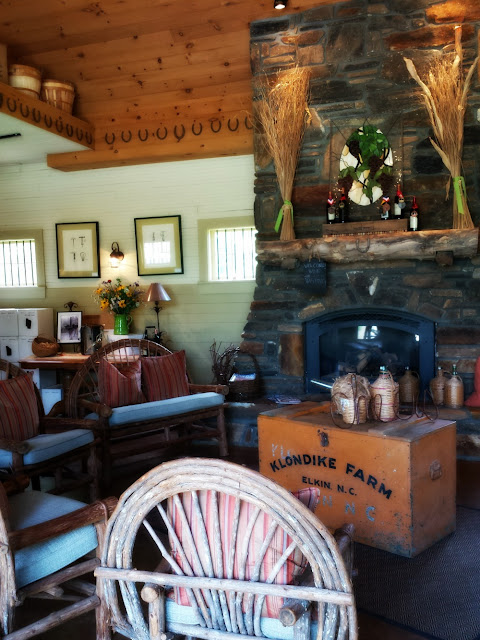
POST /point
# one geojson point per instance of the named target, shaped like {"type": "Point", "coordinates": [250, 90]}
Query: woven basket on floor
{"type": "Point", "coordinates": [245, 387]}
{"type": "Point", "coordinates": [44, 347]}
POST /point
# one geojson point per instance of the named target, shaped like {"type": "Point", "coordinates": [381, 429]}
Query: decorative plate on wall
{"type": "Point", "coordinates": [366, 165]}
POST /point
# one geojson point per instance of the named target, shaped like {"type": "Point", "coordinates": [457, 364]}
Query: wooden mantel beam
{"type": "Point", "coordinates": [417, 245]}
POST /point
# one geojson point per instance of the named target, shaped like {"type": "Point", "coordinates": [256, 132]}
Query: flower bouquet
{"type": "Point", "coordinates": [119, 299]}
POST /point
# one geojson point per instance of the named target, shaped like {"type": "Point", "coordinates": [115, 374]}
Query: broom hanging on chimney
{"type": "Point", "coordinates": [283, 114]}
{"type": "Point", "coordinates": [445, 90]}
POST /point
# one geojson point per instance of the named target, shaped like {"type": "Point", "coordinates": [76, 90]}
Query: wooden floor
{"type": "Point", "coordinates": [370, 627]}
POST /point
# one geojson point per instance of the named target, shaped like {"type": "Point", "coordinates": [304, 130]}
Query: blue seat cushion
{"type": "Point", "coordinates": [270, 627]}
{"type": "Point", "coordinates": [164, 408]}
{"type": "Point", "coordinates": [46, 446]}
{"type": "Point", "coordinates": [44, 558]}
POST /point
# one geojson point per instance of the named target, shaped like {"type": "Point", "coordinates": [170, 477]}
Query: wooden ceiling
{"type": "Point", "coordinates": [150, 74]}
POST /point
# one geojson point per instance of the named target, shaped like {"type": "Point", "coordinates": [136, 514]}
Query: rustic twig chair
{"type": "Point", "coordinates": [142, 430]}
{"type": "Point", "coordinates": [47, 543]}
{"type": "Point", "coordinates": [40, 445]}
{"type": "Point", "coordinates": [230, 546]}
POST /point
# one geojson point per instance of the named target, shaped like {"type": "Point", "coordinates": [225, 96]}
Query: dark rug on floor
{"type": "Point", "coordinates": [437, 593]}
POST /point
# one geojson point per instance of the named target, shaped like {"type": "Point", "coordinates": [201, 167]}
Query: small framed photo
{"type": "Point", "coordinates": [159, 245]}
{"type": "Point", "coordinates": [78, 250]}
{"type": "Point", "coordinates": [69, 326]}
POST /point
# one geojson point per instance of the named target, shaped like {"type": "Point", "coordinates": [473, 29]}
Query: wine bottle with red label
{"type": "Point", "coordinates": [343, 207]}
{"type": "Point", "coordinates": [413, 218]}
{"type": "Point", "coordinates": [330, 211]}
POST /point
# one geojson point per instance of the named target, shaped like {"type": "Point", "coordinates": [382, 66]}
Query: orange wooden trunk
{"type": "Point", "coordinates": [394, 481]}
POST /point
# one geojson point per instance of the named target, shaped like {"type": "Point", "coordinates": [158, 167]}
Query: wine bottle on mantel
{"type": "Point", "coordinates": [343, 207]}
{"type": "Point", "coordinates": [330, 215]}
{"type": "Point", "coordinates": [385, 208]}
{"type": "Point", "coordinates": [413, 218]}
{"type": "Point", "coordinates": [399, 204]}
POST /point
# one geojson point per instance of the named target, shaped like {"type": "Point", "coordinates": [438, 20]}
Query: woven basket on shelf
{"type": "Point", "coordinates": [44, 347]}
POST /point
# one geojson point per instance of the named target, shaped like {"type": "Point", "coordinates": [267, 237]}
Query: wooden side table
{"type": "Point", "coordinates": [66, 363]}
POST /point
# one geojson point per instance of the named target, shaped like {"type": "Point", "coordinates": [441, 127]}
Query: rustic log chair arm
{"type": "Point", "coordinates": [21, 447]}
{"type": "Point", "coordinates": [292, 610]}
{"type": "Point", "coordinates": [96, 512]}
{"type": "Point", "coordinates": [102, 410]}
{"type": "Point", "coordinates": [205, 388]}
{"type": "Point", "coordinates": [54, 425]}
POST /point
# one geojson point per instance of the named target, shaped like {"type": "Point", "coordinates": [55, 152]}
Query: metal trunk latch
{"type": "Point", "coordinates": [436, 470]}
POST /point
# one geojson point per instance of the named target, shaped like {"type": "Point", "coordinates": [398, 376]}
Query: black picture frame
{"type": "Point", "coordinates": [78, 250]}
{"type": "Point", "coordinates": [159, 245]}
{"type": "Point", "coordinates": [69, 327]}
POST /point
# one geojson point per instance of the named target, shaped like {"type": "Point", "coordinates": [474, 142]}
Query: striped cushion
{"type": "Point", "coordinates": [120, 388]}
{"type": "Point", "coordinates": [19, 417]}
{"type": "Point", "coordinates": [165, 376]}
{"type": "Point", "coordinates": [242, 569]}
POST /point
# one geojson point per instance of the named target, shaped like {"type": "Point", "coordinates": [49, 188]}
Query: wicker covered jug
{"type": "Point", "coordinates": [409, 386]}
{"type": "Point", "coordinates": [437, 387]}
{"type": "Point", "coordinates": [350, 398]}
{"type": "Point", "coordinates": [384, 393]}
{"type": "Point", "coordinates": [454, 394]}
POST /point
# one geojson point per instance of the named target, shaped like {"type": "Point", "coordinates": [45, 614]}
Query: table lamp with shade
{"type": "Point", "coordinates": [157, 293]}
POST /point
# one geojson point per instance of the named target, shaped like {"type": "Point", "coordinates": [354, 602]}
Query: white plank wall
{"type": "Point", "coordinates": [35, 196]}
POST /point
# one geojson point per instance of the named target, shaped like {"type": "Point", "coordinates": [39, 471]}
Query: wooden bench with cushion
{"type": "Point", "coordinates": [139, 394]}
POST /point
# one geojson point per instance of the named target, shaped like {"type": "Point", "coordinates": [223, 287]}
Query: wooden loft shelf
{"type": "Point", "coordinates": [18, 109]}
{"type": "Point", "coordinates": [440, 245]}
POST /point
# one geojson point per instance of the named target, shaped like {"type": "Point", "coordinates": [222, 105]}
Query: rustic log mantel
{"type": "Point", "coordinates": [439, 244]}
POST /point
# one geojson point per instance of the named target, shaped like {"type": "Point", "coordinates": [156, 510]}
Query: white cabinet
{"type": "Point", "coordinates": [35, 322]}
{"type": "Point", "coordinates": [9, 349]}
{"type": "Point", "coordinates": [8, 322]}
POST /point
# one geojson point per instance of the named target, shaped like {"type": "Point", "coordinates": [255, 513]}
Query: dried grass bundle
{"type": "Point", "coordinates": [445, 92]}
{"type": "Point", "coordinates": [283, 114]}
{"type": "Point", "coordinates": [223, 362]}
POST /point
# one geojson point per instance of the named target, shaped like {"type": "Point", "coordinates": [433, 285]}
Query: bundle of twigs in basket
{"type": "Point", "coordinates": [283, 114]}
{"type": "Point", "coordinates": [445, 92]}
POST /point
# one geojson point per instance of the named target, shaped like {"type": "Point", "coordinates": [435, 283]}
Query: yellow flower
{"type": "Point", "coordinates": [121, 303]}
{"type": "Point", "coordinates": [103, 304]}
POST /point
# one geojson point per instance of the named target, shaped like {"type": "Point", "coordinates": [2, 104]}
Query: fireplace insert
{"type": "Point", "coordinates": [361, 340]}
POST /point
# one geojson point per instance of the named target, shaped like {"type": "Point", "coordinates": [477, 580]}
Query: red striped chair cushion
{"type": "Point", "coordinates": [165, 376]}
{"type": "Point", "coordinates": [19, 417]}
{"type": "Point", "coordinates": [243, 568]}
{"type": "Point", "coordinates": [120, 387]}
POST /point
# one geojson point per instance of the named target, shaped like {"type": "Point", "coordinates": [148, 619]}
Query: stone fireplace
{"type": "Point", "coordinates": [356, 50]}
{"type": "Point", "coordinates": [362, 340]}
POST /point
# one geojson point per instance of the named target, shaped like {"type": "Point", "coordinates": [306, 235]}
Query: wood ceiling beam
{"type": "Point", "coordinates": [188, 148]}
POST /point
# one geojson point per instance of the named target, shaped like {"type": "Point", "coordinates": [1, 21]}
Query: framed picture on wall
{"type": "Point", "coordinates": [159, 245]}
{"type": "Point", "coordinates": [77, 250]}
{"type": "Point", "coordinates": [69, 325]}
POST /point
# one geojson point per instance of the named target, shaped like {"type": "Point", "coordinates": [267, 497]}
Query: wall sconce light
{"type": "Point", "coordinates": [156, 293]}
{"type": "Point", "coordinates": [116, 256]}
{"type": "Point", "coordinates": [279, 4]}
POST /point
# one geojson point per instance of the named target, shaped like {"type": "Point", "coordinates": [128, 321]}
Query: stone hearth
{"type": "Point", "coordinates": [355, 50]}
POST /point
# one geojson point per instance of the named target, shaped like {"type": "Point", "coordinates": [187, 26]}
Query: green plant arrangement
{"type": "Point", "coordinates": [117, 297]}
{"type": "Point", "coordinates": [366, 165]}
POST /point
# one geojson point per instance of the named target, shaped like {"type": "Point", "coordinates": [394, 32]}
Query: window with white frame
{"type": "Point", "coordinates": [226, 248]}
{"type": "Point", "coordinates": [232, 254]}
{"type": "Point", "coordinates": [18, 263]}
{"type": "Point", "coordinates": [21, 260]}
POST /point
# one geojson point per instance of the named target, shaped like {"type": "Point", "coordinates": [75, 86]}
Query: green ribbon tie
{"type": "Point", "coordinates": [459, 187]}
{"type": "Point", "coordinates": [280, 214]}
